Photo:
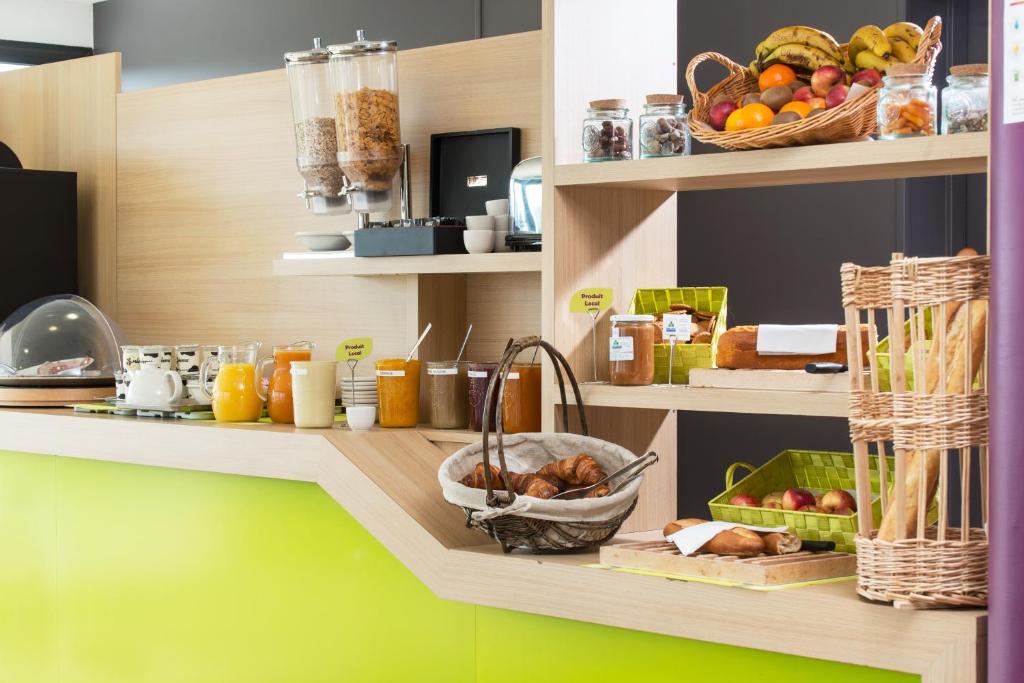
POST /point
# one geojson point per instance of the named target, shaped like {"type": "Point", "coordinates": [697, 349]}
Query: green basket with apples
{"type": "Point", "coordinates": [815, 471]}
{"type": "Point", "coordinates": [709, 300]}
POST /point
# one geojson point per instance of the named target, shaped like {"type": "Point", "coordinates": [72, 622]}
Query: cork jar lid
{"type": "Point", "coordinates": [608, 104]}
{"type": "Point", "coordinates": [969, 70]}
{"type": "Point", "coordinates": [907, 70]}
{"type": "Point", "coordinates": [666, 98]}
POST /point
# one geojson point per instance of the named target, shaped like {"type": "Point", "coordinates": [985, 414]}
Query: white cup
{"type": "Point", "coordinates": [154, 387]}
{"type": "Point", "coordinates": [501, 223]}
{"type": "Point", "coordinates": [499, 242]}
{"type": "Point", "coordinates": [157, 356]}
{"type": "Point", "coordinates": [480, 222]}
{"type": "Point", "coordinates": [313, 386]}
{"type": "Point", "coordinates": [361, 418]}
{"type": "Point", "coordinates": [478, 241]}
{"type": "Point", "coordinates": [187, 358]}
{"type": "Point", "coordinates": [496, 207]}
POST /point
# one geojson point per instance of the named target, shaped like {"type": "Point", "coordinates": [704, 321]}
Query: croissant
{"type": "Point", "coordinates": [523, 484]}
{"type": "Point", "coordinates": [578, 470]}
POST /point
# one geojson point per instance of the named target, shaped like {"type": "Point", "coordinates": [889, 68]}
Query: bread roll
{"type": "Point", "coordinates": [737, 349]}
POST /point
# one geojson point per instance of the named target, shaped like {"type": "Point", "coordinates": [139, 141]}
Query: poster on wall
{"type": "Point", "coordinates": [1013, 62]}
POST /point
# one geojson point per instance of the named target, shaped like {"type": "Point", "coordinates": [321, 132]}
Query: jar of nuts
{"type": "Point", "coordinates": [965, 99]}
{"type": "Point", "coordinates": [607, 131]}
{"type": "Point", "coordinates": [663, 130]}
{"type": "Point", "coordinates": [906, 102]}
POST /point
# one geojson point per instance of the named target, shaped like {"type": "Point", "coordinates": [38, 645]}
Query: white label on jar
{"type": "Point", "coordinates": [513, 375]}
{"type": "Point", "coordinates": [391, 373]}
{"type": "Point", "coordinates": [477, 374]}
{"type": "Point", "coordinates": [620, 348]}
{"type": "Point", "coordinates": [442, 371]}
{"type": "Point", "coordinates": [299, 372]}
{"type": "Point", "coordinates": [676, 326]}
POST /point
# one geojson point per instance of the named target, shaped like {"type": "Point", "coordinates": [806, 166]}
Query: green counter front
{"type": "Point", "coordinates": [120, 573]}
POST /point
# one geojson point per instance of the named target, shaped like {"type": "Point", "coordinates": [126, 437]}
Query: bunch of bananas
{"type": "Point", "coordinates": [874, 48]}
{"type": "Point", "coordinates": [803, 48]}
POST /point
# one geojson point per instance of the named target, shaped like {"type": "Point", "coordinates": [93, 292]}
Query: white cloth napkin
{"type": "Point", "coordinates": [691, 539]}
{"type": "Point", "coordinates": [803, 340]}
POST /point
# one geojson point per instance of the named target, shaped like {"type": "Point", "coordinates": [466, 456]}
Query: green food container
{"type": "Point", "coordinates": [704, 299]}
{"type": "Point", "coordinates": [816, 471]}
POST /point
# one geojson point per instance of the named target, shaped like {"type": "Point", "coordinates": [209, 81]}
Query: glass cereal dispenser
{"type": "Point", "coordinates": [365, 79]}
{"type": "Point", "coordinates": [316, 134]}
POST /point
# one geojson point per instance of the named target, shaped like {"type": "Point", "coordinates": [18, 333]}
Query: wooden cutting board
{"type": "Point", "coordinates": [763, 570]}
{"type": "Point", "coordinates": [35, 397]}
{"type": "Point", "coordinates": [775, 380]}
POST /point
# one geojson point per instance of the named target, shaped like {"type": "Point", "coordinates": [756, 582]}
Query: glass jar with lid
{"type": "Point", "coordinates": [965, 99]}
{"type": "Point", "coordinates": [607, 131]}
{"type": "Point", "coordinates": [906, 102]}
{"type": "Point", "coordinates": [663, 129]}
{"type": "Point", "coordinates": [316, 135]}
{"type": "Point", "coordinates": [631, 349]}
{"type": "Point", "coordinates": [365, 79]}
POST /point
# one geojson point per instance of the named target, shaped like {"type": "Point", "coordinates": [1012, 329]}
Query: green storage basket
{"type": "Point", "coordinates": [704, 299]}
{"type": "Point", "coordinates": [817, 471]}
{"type": "Point", "coordinates": [882, 353]}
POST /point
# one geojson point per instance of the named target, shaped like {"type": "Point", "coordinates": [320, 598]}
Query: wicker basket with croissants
{"type": "Point", "coordinates": [563, 475]}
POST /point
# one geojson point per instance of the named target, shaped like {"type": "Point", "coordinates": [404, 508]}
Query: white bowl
{"type": "Point", "coordinates": [324, 241]}
{"type": "Point", "coordinates": [480, 222]}
{"type": "Point", "coordinates": [496, 207]}
{"type": "Point", "coordinates": [478, 241]}
{"type": "Point", "coordinates": [361, 418]}
{"type": "Point", "coordinates": [499, 242]}
{"type": "Point", "coordinates": [501, 222]}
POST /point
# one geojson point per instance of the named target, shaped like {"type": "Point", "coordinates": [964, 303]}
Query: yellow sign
{"type": "Point", "coordinates": [591, 300]}
{"type": "Point", "coordinates": [356, 348]}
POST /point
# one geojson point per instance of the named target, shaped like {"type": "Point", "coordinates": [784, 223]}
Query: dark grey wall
{"type": "Point", "coordinates": [186, 40]}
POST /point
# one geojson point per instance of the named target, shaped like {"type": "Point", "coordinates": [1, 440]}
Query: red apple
{"type": "Point", "coordinates": [810, 508]}
{"type": "Point", "coordinates": [836, 96]}
{"type": "Point", "coordinates": [844, 511]}
{"type": "Point", "coordinates": [745, 500]}
{"type": "Point", "coordinates": [794, 499]}
{"type": "Point", "coordinates": [720, 112]}
{"type": "Point", "coordinates": [825, 77]}
{"type": "Point", "coordinates": [773, 497]}
{"type": "Point", "coordinates": [869, 77]}
{"type": "Point", "coordinates": [802, 94]}
{"type": "Point", "coordinates": [817, 499]}
{"type": "Point", "coordinates": [838, 498]}
{"type": "Point", "coordinates": [772, 505]}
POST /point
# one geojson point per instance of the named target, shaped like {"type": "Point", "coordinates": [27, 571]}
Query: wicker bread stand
{"type": "Point", "coordinates": [936, 429]}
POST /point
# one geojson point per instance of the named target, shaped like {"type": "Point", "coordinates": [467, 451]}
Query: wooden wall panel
{"type": "Point", "coordinates": [501, 305]}
{"type": "Point", "coordinates": [61, 117]}
{"type": "Point", "coordinates": [207, 198]}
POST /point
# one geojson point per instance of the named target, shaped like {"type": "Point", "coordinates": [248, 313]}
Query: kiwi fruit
{"type": "Point", "coordinates": [816, 112]}
{"type": "Point", "coordinates": [750, 98]}
{"type": "Point", "coordinates": [777, 97]}
{"type": "Point", "coordinates": [785, 117]}
{"type": "Point", "coordinates": [796, 85]}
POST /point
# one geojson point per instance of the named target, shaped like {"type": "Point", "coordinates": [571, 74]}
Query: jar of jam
{"type": "Point", "coordinates": [448, 394]}
{"type": "Point", "coordinates": [520, 404]}
{"type": "Point", "coordinates": [478, 377]}
{"type": "Point", "coordinates": [631, 349]}
{"type": "Point", "coordinates": [398, 392]}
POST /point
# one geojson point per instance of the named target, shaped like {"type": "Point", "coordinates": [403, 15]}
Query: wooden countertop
{"type": "Point", "coordinates": [387, 479]}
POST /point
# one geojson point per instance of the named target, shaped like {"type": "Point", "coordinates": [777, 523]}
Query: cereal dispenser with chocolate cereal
{"type": "Point", "coordinates": [364, 75]}
{"type": "Point", "coordinates": [316, 135]}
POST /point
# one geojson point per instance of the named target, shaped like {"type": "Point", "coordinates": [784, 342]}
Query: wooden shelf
{"type": "Point", "coordinates": [714, 400]}
{"type": "Point", "coordinates": [343, 263]}
{"type": "Point", "coordinates": [840, 162]}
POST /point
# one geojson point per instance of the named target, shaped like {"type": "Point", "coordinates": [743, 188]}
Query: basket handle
{"type": "Point", "coordinates": [699, 98]}
{"type": "Point", "coordinates": [730, 473]}
{"type": "Point", "coordinates": [930, 46]}
{"type": "Point", "coordinates": [497, 384]}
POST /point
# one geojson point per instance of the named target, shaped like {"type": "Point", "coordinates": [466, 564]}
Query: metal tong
{"type": "Point", "coordinates": [634, 469]}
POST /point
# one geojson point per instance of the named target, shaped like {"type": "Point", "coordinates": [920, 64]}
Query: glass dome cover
{"type": "Point", "coordinates": [60, 339]}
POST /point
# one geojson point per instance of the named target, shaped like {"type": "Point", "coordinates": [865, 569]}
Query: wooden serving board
{"type": "Point", "coordinates": [778, 380]}
{"type": "Point", "coordinates": [36, 397]}
{"type": "Point", "coordinates": [763, 570]}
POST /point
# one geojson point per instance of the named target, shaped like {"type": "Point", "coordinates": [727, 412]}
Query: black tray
{"type": "Point", "coordinates": [419, 241]}
{"type": "Point", "coordinates": [468, 168]}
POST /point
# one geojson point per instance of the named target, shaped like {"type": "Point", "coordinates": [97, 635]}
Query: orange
{"type": "Point", "coordinates": [735, 121]}
{"type": "Point", "coordinates": [816, 102]}
{"type": "Point", "coordinates": [801, 108]}
{"type": "Point", "coordinates": [757, 115]}
{"type": "Point", "coordinates": [777, 74]}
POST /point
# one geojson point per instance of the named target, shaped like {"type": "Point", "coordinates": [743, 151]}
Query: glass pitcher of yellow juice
{"type": "Point", "coordinates": [236, 395]}
{"type": "Point", "coordinates": [279, 388]}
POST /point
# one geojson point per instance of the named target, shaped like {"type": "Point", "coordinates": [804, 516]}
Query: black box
{"type": "Point", "coordinates": [418, 241]}
{"type": "Point", "coordinates": [469, 168]}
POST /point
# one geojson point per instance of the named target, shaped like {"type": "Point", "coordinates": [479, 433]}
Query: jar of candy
{"type": "Point", "coordinates": [607, 131]}
{"type": "Point", "coordinates": [906, 102]}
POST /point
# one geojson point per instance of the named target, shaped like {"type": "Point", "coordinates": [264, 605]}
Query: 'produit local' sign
{"type": "Point", "coordinates": [356, 348]}
{"type": "Point", "coordinates": [591, 300]}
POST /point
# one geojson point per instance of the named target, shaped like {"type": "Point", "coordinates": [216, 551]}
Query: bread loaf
{"type": "Point", "coordinates": [737, 349]}
{"type": "Point", "coordinates": [739, 542]}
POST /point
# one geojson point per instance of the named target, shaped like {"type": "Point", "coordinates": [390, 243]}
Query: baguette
{"type": "Point", "coordinates": [737, 349]}
{"type": "Point", "coordinates": [781, 544]}
{"type": "Point", "coordinates": [737, 542]}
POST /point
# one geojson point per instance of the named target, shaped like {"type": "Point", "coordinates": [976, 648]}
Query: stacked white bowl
{"type": "Point", "coordinates": [498, 209]}
{"type": "Point", "coordinates": [365, 389]}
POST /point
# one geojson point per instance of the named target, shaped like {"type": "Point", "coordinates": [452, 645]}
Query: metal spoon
{"type": "Point", "coordinates": [418, 342]}
{"type": "Point", "coordinates": [463, 347]}
{"type": "Point", "coordinates": [635, 468]}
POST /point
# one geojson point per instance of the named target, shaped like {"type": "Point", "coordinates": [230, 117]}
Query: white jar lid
{"type": "Point", "coordinates": [632, 319]}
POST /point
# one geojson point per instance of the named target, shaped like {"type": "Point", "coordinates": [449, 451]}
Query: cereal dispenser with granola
{"type": "Point", "coordinates": [365, 79]}
{"type": "Point", "coordinates": [316, 136]}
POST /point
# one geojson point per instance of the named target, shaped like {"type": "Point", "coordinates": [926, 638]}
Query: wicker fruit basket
{"type": "Point", "coordinates": [848, 121]}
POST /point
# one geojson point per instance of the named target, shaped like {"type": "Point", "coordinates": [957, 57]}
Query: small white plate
{"type": "Point", "coordinates": [324, 241]}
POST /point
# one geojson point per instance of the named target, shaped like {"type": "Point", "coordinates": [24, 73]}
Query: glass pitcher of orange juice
{"type": "Point", "coordinates": [279, 389]}
{"type": "Point", "coordinates": [236, 395]}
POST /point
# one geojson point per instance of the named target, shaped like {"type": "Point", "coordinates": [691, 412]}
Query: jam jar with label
{"type": "Point", "coordinates": [631, 349]}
